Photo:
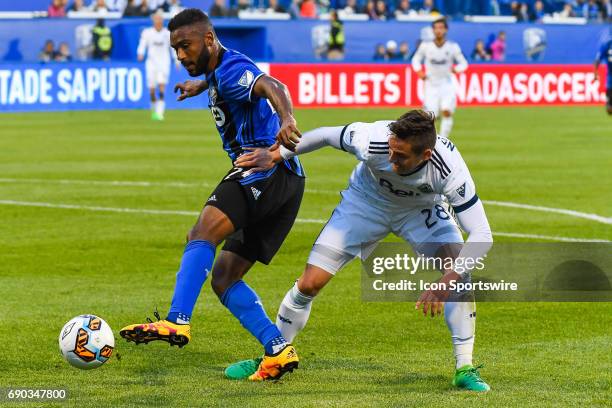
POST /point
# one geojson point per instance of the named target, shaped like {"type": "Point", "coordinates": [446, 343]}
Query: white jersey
{"type": "Point", "coordinates": [445, 174]}
{"type": "Point", "coordinates": [439, 61]}
{"type": "Point", "coordinates": [156, 45]}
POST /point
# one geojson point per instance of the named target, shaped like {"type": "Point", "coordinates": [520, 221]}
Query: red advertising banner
{"type": "Point", "coordinates": [338, 85]}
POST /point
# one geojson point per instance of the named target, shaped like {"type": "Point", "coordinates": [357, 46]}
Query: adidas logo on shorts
{"type": "Point", "coordinates": [256, 192]}
{"type": "Point", "coordinates": [212, 198]}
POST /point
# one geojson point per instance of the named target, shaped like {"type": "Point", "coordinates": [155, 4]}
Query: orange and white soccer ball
{"type": "Point", "coordinates": [86, 342]}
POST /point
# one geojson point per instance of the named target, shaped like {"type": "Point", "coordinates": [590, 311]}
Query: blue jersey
{"type": "Point", "coordinates": [242, 118]}
{"type": "Point", "coordinates": [605, 54]}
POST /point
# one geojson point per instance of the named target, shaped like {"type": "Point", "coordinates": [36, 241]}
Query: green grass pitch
{"type": "Point", "coordinates": [56, 263]}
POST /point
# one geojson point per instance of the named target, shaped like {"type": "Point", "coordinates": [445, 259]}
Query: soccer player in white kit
{"type": "Point", "coordinates": [442, 59]}
{"type": "Point", "coordinates": [155, 43]}
{"type": "Point", "coordinates": [404, 172]}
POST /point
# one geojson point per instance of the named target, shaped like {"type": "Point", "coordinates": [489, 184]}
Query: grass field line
{"type": "Point", "coordinates": [298, 220]}
{"type": "Point", "coordinates": [572, 213]}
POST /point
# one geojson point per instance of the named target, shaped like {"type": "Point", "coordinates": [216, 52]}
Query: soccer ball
{"type": "Point", "coordinates": [86, 342]}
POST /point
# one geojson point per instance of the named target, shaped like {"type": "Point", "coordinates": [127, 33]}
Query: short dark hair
{"type": "Point", "coordinates": [417, 127]}
{"type": "Point", "coordinates": [187, 17]}
{"type": "Point", "coordinates": [442, 20]}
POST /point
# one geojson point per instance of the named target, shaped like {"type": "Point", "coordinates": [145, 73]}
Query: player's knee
{"type": "Point", "coordinates": [310, 286]}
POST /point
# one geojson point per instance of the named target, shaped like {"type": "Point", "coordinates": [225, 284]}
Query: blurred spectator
{"type": "Point", "coordinates": [63, 53]}
{"type": "Point", "coordinates": [133, 10]}
{"type": "Point", "coordinates": [155, 5]}
{"type": "Point", "coordinates": [404, 51]}
{"type": "Point", "coordinates": [274, 7]}
{"type": "Point", "coordinates": [381, 10]}
{"type": "Point", "coordinates": [480, 52]}
{"type": "Point", "coordinates": [308, 9]}
{"type": "Point", "coordinates": [391, 50]}
{"type": "Point", "coordinates": [335, 46]}
{"type": "Point", "coordinates": [606, 8]}
{"type": "Point", "coordinates": [173, 7]}
{"type": "Point", "coordinates": [403, 8]}
{"type": "Point", "coordinates": [381, 53]}
{"type": "Point", "coordinates": [351, 7]}
{"type": "Point", "coordinates": [590, 10]}
{"type": "Point", "coordinates": [498, 47]}
{"type": "Point", "coordinates": [567, 11]}
{"type": "Point", "coordinates": [48, 52]}
{"type": "Point", "coordinates": [370, 10]}
{"type": "Point", "coordinates": [102, 41]}
{"type": "Point", "coordinates": [77, 6]}
{"type": "Point", "coordinates": [244, 5]}
{"type": "Point", "coordinates": [98, 6]}
{"type": "Point", "coordinates": [538, 10]}
{"type": "Point", "coordinates": [427, 7]}
{"type": "Point", "coordinates": [57, 8]}
{"type": "Point", "coordinates": [116, 6]}
{"type": "Point", "coordinates": [294, 9]}
{"type": "Point", "coordinates": [218, 9]}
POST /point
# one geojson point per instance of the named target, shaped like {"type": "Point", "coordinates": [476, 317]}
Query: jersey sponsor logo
{"type": "Point", "coordinates": [438, 62]}
{"type": "Point", "coordinates": [256, 192]}
{"type": "Point", "coordinates": [426, 188]}
{"type": "Point", "coordinates": [246, 79]}
{"type": "Point", "coordinates": [398, 192]}
{"type": "Point", "coordinates": [461, 190]}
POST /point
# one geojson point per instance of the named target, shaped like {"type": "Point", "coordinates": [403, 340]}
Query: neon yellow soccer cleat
{"type": "Point", "coordinates": [164, 330]}
{"type": "Point", "coordinates": [274, 367]}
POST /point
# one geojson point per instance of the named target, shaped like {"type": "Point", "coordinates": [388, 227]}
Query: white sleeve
{"type": "Point", "coordinates": [461, 63]}
{"type": "Point", "coordinates": [142, 44]}
{"type": "Point", "coordinates": [418, 57]}
{"type": "Point", "coordinates": [352, 138]}
{"type": "Point", "coordinates": [480, 239]}
{"type": "Point", "coordinates": [316, 139]}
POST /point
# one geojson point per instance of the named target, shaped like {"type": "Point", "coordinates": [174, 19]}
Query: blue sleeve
{"type": "Point", "coordinates": [603, 52]}
{"type": "Point", "coordinates": [237, 80]}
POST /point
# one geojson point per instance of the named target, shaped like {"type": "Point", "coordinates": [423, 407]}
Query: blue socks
{"type": "Point", "coordinates": [246, 306]}
{"type": "Point", "coordinates": [196, 264]}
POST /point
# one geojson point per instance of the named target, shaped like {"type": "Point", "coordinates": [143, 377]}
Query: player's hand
{"type": "Point", "coordinates": [596, 77]}
{"type": "Point", "coordinates": [421, 74]}
{"type": "Point", "coordinates": [188, 89]}
{"type": "Point", "coordinates": [140, 58]}
{"type": "Point", "coordinates": [288, 135]}
{"type": "Point", "coordinates": [258, 158]}
{"type": "Point", "coordinates": [433, 300]}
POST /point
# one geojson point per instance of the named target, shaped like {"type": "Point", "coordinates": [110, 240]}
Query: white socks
{"type": "Point", "coordinates": [461, 321]}
{"type": "Point", "coordinates": [293, 313]}
{"type": "Point", "coordinates": [160, 107]}
{"type": "Point", "coordinates": [446, 124]}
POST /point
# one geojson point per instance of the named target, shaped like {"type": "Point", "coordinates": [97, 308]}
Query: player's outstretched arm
{"type": "Point", "coordinates": [278, 95]}
{"type": "Point", "coordinates": [260, 159]}
{"type": "Point", "coordinates": [190, 88]}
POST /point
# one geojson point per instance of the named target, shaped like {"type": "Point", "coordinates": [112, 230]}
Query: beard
{"type": "Point", "coordinates": [202, 62]}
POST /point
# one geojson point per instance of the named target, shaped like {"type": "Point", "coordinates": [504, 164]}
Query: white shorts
{"type": "Point", "coordinates": [156, 75]}
{"type": "Point", "coordinates": [357, 223]}
{"type": "Point", "coordinates": [439, 97]}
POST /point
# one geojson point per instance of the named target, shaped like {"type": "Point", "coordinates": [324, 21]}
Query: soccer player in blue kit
{"type": "Point", "coordinates": [251, 211]}
{"type": "Point", "coordinates": [605, 54]}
